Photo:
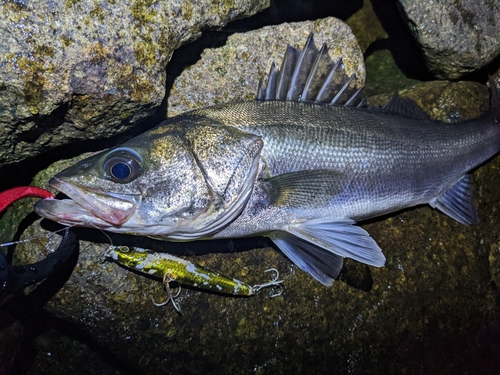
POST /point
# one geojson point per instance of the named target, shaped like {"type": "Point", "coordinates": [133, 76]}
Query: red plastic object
{"type": "Point", "coordinates": [8, 197]}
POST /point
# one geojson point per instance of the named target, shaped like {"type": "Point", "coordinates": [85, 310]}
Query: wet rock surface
{"type": "Point", "coordinates": [366, 26]}
{"type": "Point", "coordinates": [85, 70]}
{"type": "Point", "coordinates": [437, 278]}
{"type": "Point", "coordinates": [457, 37]}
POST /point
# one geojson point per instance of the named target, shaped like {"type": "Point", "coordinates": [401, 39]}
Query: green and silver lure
{"type": "Point", "coordinates": [170, 268]}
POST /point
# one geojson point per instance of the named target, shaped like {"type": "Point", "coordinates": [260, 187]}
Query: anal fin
{"type": "Point", "coordinates": [456, 202]}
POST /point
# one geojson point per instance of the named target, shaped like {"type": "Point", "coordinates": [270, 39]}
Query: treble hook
{"type": "Point", "coordinates": [274, 282]}
{"type": "Point", "coordinates": [170, 296]}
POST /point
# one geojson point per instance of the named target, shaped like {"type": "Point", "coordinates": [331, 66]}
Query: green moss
{"type": "Point", "coordinates": [14, 6]}
{"type": "Point", "coordinates": [71, 3]}
{"type": "Point", "coordinates": [187, 11]}
{"type": "Point", "coordinates": [366, 26]}
{"type": "Point", "coordinates": [66, 41]}
{"type": "Point", "coordinates": [145, 19]}
{"type": "Point", "coordinates": [44, 51]}
{"type": "Point", "coordinates": [33, 68]}
{"type": "Point", "coordinates": [142, 13]}
{"type": "Point", "coordinates": [33, 94]}
{"type": "Point", "coordinates": [218, 7]}
{"type": "Point", "coordinates": [97, 12]}
{"type": "Point", "coordinates": [383, 75]}
{"type": "Point", "coordinates": [126, 114]}
{"type": "Point", "coordinates": [450, 101]}
{"type": "Point", "coordinates": [145, 52]}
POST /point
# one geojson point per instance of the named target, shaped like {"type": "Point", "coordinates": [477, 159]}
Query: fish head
{"type": "Point", "coordinates": [172, 182]}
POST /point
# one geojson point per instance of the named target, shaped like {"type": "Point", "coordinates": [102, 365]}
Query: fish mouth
{"type": "Point", "coordinates": [86, 206]}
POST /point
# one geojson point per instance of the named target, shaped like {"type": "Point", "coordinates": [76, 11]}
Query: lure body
{"type": "Point", "coordinates": [171, 268]}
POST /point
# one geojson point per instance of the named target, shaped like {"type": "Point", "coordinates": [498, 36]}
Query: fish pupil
{"type": "Point", "coordinates": [121, 171]}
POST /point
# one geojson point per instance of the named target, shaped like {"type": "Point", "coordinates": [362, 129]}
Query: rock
{"type": "Point", "coordinates": [84, 69]}
{"type": "Point", "coordinates": [366, 27]}
{"type": "Point", "coordinates": [450, 101]}
{"type": "Point", "coordinates": [232, 72]}
{"type": "Point", "coordinates": [11, 336]}
{"type": "Point", "coordinates": [457, 37]}
{"type": "Point", "coordinates": [444, 101]}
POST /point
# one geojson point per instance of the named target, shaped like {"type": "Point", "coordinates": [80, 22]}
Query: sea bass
{"type": "Point", "coordinates": [301, 165]}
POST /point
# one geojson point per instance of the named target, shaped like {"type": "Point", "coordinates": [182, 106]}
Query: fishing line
{"type": "Point", "coordinates": [5, 244]}
{"type": "Point", "coordinates": [103, 232]}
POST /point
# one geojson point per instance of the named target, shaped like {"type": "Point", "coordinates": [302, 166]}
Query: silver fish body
{"type": "Point", "coordinates": [301, 173]}
{"type": "Point", "coordinates": [374, 162]}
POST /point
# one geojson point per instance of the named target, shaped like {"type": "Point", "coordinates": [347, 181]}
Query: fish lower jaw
{"type": "Point", "coordinates": [115, 211]}
{"type": "Point", "coordinates": [66, 212]}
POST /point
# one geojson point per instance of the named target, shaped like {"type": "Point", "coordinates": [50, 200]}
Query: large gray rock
{"type": "Point", "coordinates": [457, 37]}
{"type": "Point", "coordinates": [84, 69]}
{"type": "Point", "coordinates": [232, 72]}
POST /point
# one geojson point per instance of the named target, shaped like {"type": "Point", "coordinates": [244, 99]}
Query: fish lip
{"type": "Point", "coordinates": [68, 212]}
{"type": "Point", "coordinates": [95, 203]}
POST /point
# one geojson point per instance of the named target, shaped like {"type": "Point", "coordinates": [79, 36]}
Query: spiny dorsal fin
{"type": "Point", "coordinates": [310, 75]}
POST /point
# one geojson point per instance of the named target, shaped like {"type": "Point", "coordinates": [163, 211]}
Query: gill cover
{"type": "Point", "coordinates": [226, 156]}
{"type": "Point", "coordinates": [228, 159]}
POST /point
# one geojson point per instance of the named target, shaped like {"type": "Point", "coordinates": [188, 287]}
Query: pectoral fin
{"type": "Point", "coordinates": [457, 202]}
{"type": "Point", "coordinates": [318, 246]}
{"type": "Point", "coordinates": [303, 189]}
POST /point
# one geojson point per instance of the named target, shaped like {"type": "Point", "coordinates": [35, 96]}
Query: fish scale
{"type": "Point", "coordinates": [364, 142]}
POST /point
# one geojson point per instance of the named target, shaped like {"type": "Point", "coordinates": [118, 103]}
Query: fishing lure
{"type": "Point", "coordinates": [170, 268]}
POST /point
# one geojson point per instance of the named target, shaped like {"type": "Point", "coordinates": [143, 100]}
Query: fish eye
{"type": "Point", "coordinates": [122, 165]}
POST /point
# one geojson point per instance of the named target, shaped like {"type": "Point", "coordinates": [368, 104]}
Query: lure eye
{"type": "Point", "coordinates": [122, 165]}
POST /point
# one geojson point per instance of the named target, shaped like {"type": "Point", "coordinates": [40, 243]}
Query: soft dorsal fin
{"type": "Point", "coordinates": [405, 107]}
{"type": "Point", "coordinates": [310, 75]}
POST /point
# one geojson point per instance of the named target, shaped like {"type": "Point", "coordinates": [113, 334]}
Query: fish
{"type": "Point", "coordinates": [302, 165]}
